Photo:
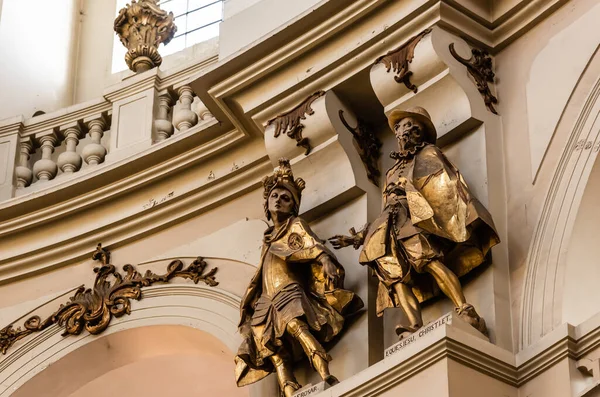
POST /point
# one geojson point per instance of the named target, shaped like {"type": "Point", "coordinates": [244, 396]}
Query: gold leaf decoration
{"type": "Point", "coordinates": [398, 60]}
{"type": "Point", "coordinates": [290, 121]}
{"type": "Point", "coordinates": [92, 309]}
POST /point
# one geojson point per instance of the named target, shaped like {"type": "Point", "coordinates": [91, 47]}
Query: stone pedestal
{"type": "Point", "coordinates": [135, 103]}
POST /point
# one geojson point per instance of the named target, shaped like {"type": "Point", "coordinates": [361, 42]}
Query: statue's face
{"type": "Point", "coordinates": [409, 132]}
{"type": "Point", "coordinates": [281, 203]}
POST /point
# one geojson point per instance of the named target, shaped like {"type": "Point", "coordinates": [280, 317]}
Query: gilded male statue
{"type": "Point", "coordinates": [431, 231]}
{"type": "Point", "coordinates": [295, 301]}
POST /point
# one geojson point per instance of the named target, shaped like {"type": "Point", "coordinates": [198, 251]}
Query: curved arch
{"type": "Point", "coordinates": [208, 309]}
{"type": "Point", "coordinates": [155, 360]}
{"type": "Point", "coordinates": [546, 261]}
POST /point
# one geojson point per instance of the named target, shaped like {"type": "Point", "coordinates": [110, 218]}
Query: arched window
{"type": "Point", "coordinates": [196, 20]}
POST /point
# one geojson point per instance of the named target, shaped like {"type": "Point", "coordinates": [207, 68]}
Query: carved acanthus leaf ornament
{"type": "Point", "coordinates": [398, 60]}
{"type": "Point", "coordinates": [369, 147]}
{"type": "Point", "coordinates": [289, 122]}
{"type": "Point", "coordinates": [92, 309]}
{"type": "Point", "coordinates": [142, 26]}
{"type": "Point", "coordinates": [479, 67]}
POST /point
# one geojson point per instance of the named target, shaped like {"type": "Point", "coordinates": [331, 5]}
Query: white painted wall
{"type": "Point", "coordinates": [246, 21]}
{"type": "Point", "coordinates": [37, 49]}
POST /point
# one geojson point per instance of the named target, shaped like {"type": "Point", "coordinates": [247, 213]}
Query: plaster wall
{"type": "Point", "coordinates": [248, 20]}
{"type": "Point", "coordinates": [582, 271]}
{"type": "Point", "coordinates": [40, 40]}
{"type": "Point", "coordinates": [95, 50]}
{"type": "Point", "coordinates": [162, 360]}
{"type": "Point", "coordinates": [525, 195]}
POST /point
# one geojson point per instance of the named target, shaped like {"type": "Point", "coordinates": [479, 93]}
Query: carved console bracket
{"type": "Point", "coordinates": [93, 308]}
{"type": "Point", "coordinates": [479, 67]}
{"type": "Point", "coordinates": [289, 122]}
{"type": "Point", "coordinates": [398, 60]}
{"type": "Point", "coordinates": [141, 27]}
{"type": "Point", "coordinates": [368, 147]}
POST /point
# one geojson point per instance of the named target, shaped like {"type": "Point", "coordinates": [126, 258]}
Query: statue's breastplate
{"type": "Point", "coordinates": [277, 274]}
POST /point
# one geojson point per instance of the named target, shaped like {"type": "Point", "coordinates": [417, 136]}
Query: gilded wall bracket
{"type": "Point", "coordinates": [368, 147]}
{"type": "Point", "coordinates": [479, 67]}
{"type": "Point", "coordinates": [289, 122]}
{"type": "Point", "coordinates": [93, 308]}
{"type": "Point", "coordinates": [398, 60]}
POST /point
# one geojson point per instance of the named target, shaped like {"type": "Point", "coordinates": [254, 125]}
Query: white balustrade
{"type": "Point", "coordinates": [22, 171]}
{"type": "Point", "coordinates": [203, 111]}
{"type": "Point", "coordinates": [183, 116]}
{"type": "Point", "coordinates": [94, 153]}
{"type": "Point", "coordinates": [162, 124]}
{"type": "Point", "coordinates": [70, 161]}
{"type": "Point", "coordinates": [45, 168]}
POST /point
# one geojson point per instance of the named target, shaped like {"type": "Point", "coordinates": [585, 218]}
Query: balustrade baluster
{"type": "Point", "coordinates": [162, 124]}
{"type": "Point", "coordinates": [203, 111]}
{"type": "Point", "coordinates": [184, 118]}
{"type": "Point", "coordinates": [70, 161]}
{"type": "Point", "coordinates": [94, 153]}
{"type": "Point", "coordinates": [22, 171]}
{"type": "Point", "coordinates": [45, 168]}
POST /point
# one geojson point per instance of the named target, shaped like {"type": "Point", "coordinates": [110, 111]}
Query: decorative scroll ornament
{"type": "Point", "coordinates": [369, 148]}
{"type": "Point", "coordinates": [480, 67]}
{"type": "Point", "coordinates": [93, 308]}
{"type": "Point", "coordinates": [142, 26]}
{"type": "Point", "coordinates": [398, 60]}
{"type": "Point", "coordinates": [289, 122]}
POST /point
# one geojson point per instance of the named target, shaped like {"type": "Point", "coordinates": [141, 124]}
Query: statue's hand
{"type": "Point", "coordinates": [329, 268]}
{"type": "Point", "coordinates": [339, 241]}
{"type": "Point", "coordinates": [355, 239]}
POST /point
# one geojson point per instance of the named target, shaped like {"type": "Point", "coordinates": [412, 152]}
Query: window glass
{"type": "Point", "coordinates": [204, 16]}
{"type": "Point", "coordinates": [200, 35]}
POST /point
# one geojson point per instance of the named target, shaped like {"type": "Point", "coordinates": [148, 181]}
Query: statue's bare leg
{"type": "Point", "coordinates": [285, 376]}
{"type": "Point", "coordinates": [447, 281]}
{"type": "Point", "coordinates": [410, 305]}
{"type": "Point", "coordinates": [312, 348]}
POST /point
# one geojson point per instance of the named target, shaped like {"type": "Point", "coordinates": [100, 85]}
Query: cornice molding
{"type": "Point", "coordinates": [126, 230]}
{"type": "Point", "coordinates": [487, 359]}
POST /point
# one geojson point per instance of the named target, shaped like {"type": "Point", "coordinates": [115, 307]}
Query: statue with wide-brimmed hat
{"type": "Point", "coordinates": [431, 230]}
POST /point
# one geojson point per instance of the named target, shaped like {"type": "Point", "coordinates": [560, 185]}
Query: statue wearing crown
{"type": "Point", "coordinates": [296, 301]}
{"type": "Point", "coordinates": [431, 230]}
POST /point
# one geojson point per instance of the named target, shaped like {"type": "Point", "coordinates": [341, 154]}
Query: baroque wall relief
{"type": "Point", "coordinates": [213, 310]}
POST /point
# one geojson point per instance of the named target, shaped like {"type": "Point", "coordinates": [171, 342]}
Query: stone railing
{"type": "Point", "coordinates": [49, 149]}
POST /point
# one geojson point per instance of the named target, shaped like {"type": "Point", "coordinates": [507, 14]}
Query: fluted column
{"type": "Point", "coordinates": [184, 118]}
{"type": "Point", "coordinates": [94, 153]}
{"type": "Point", "coordinates": [70, 161]}
{"type": "Point", "coordinates": [22, 171]}
{"type": "Point", "coordinates": [162, 124]}
{"type": "Point", "coordinates": [45, 168]}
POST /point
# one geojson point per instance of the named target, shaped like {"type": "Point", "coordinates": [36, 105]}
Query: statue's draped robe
{"type": "Point", "coordinates": [429, 214]}
{"type": "Point", "coordinates": [309, 296]}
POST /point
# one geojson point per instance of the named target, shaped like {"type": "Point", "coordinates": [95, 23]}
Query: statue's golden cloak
{"type": "Point", "coordinates": [297, 244]}
{"type": "Point", "coordinates": [439, 203]}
